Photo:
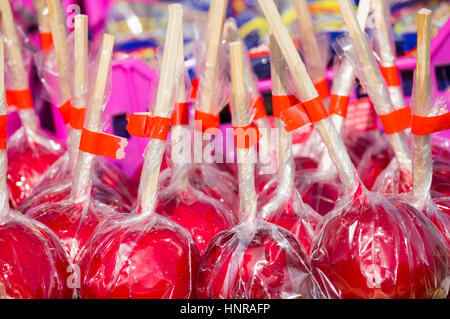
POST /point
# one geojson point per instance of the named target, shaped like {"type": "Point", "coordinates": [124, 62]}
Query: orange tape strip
{"type": "Point", "coordinates": [282, 102]}
{"type": "Point", "coordinates": [246, 136]}
{"type": "Point", "coordinates": [21, 99]}
{"type": "Point", "coordinates": [339, 104]}
{"type": "Point", "coordinates": [145, 126]}
{"type": "Point", "coordinates": [295, 117]}
{"type": "Point", "coordinates": [65, 110]}
{"type": "Point", "coordinates": [391, 75]}
{"type": "Point", "coordinates": [3, 126]}
{"type": "Point", "coordinates": [180, 114]}
{"type": "Point", "coordinates": [322, 88]}
{"type": "Point", "coordinates": [46, 41]}
{"type": "Point", "coordinates": [195, 83]}
{"type": "Point", "coordinates": [102, 144]}
{"type": "Point", "coordinates": [208, 120]}
{"type": "Point", "coordinates": [258, 106]}
{"type": "Point", "coordinates": [396, 121]}
{"type": "Point", "coordinates": [424, 125]}
{"type": "Point", "coordinates": [315, 109]}
{"type": "Point", "coordinates": [77, 117]}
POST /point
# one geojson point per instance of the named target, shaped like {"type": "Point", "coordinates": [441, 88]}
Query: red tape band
{"type": "Point", "coordinates": [322, 88]}
{"type": "Point", "coordinates": [315, 109]}
{"type": "Point", "coordinates": [391, 75]}
{"type": "Point", "coordinates": [339, 104]}
{"type": "Point", "coordinates": [258, 106]}
{"type": "Point", "coordinates": [425, 125]}
{"type": "Point", "coordinates": [3, 131]}
{"type": "Point", "coordinates": [396, 121]}
{"type": "Point", "coordinates": [77, 117]}
{"type": "Point", "coordinates": [46, 40]}
{"type": "Point", "coordinates": [144, 125]}
{"type": "Point", "coordinates": [282, 102]}
{"type": "Point", "coordinates": [246, 136]}
{"type": "Point", "coordinates": [65, 110]}
{"type": "Point", "coordinates": [21, 99]}
{"type": "Point", "coordinates": [208, 121]}
{"type": "Point", "coordinates": [295, 117]}
{"type": "Point", "coordinates": [180, 114]}
{"type": "Point", "coordinates": [102, 144]}
{"type": "Point", "coordinates": [195, 84]}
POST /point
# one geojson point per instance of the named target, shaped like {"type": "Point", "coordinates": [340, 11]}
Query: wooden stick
{"type": "Point", "coordinates": [59, 36]}
{"type": "Point", "coordinates": [4, 205]}
{"type": "Point", "coordinates": [305, 87]}
{"type": "Point", "coordinates": [85, 161]}
{"type": "Point", "coordinates": [246, 169]}
{"type": "Point", "coordinates": [422, 168]}
{"type": "Point", "coordinates": [372, 75]}
{"type": "Point", "coordinates": [15, 60]}
{"type": "Point", "coordinates": [81, 48]}
{"type": "Point", "coordinates": [216, 18]}
{"type": "Point", "coordinates": [148, 188]}
{"type": "Point", "coordinates": [42, 14]}
{"type": "Point", "coordinates": [308, 40]}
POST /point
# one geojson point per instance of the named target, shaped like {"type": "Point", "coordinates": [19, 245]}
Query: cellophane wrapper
{"type": "Point", "coordinates": [30, 155]}
{"type": "Point", "coordinates": [262, 262]}
{"type": "Point", "coordinates": [34, 263]}
{"type": "Point", "coordinates": [372, 246]}
{"type": "Point", "coordinates": [139, 256]}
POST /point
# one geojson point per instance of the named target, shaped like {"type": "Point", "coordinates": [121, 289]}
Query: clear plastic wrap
{"type": "Point", "coordinates": [34, 263]}
{"type": "Point", "coordinates": [261, 261]}
{"type": "Point", "coordinates": [139, 257]}
{"type": "Point", "coordinates": [376, 247]}
{"type": "Point", "coordinates": [30, 155]}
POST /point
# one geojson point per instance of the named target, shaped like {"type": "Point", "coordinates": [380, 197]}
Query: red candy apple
{"type": "Point", "coordinates": [264, 265]}
{"type": "Point", "coordinates": [202, 218]}
{"type": "Point", "coordinates": [28, 160]}
{"type": "Point", "coordinates": [139, 257]}
{"type": "Point", "coordinates": [33, 263]}
{"type": "Point", "coordinates": [379, 248]}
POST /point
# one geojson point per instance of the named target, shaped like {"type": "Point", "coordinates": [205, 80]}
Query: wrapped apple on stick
{"type": "Point", "coordinates": [70, 210]}
{"type": "Point", "coordinates": [34, 263]}
{"type": "Point", "coordinates": [181, 201]}
{"type": "Point", "coordinates": [145, 255]}
{"type": "Point", "coordinates": [369, 246]}
{"type": "Point", "coordinates": [30, 151]}
{"type": "Point", "coordinates": [237, 263]}
{"type": "Point", "coordinates": [283, 206]}
{"type": "Point", "coordinates": [109, 184]}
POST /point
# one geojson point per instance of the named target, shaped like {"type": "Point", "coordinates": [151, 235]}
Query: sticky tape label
{"type": "Point", "coordinates": [315, 109]}
{"type": "Point", "coordinates": [180, 114]}
{"type": "Point", "coordinates": [77, 117]}
{"type": "Point", "coordinates": [3, 127]}
{"type": "Point", "coordinates": [102, 144]}
{"type": "Point", "coordinates": [282, 102]}
{"type": "Point", "coordinates": [21, 99]}
{"type": "Point", "coordinates": [391, 75]}
{"type": "Point", "coordinates": [208, 120]}
{"type": "Point", "coordinates": [246, 136]}
{"type": "Point", "coordinates": [295, 117]}
{"type": "Point", "coordinates": [322, 88]}
{"type": "Point", "coordinates": [396, 121]}
{"type": "Point", "coordinates": [46, 40]}
{"type": "Point", "coordinates": [143, 125]}
{"type": "Point", "coordinates": [258, 106]}
{"type": "Point", "coordinates": [65, 110]}
{"type": "Point", "coordinates": [195, 84]}
{"type": "Point", "coordinates": [339, 105]}
{"type": "Point", "coordinates": [425, 125]}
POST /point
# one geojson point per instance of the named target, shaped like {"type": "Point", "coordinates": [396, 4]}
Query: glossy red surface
{"type": "Point", "coordinates": [271, 265]}
{"type": "Point", "coordinates": [321, 196]}
{"type": "Point", "coordinates": [139, 259]}
{"type": "Point", "coordinates": [32, 264]}
{"type": "Point", "coordinates": [378, 249]}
